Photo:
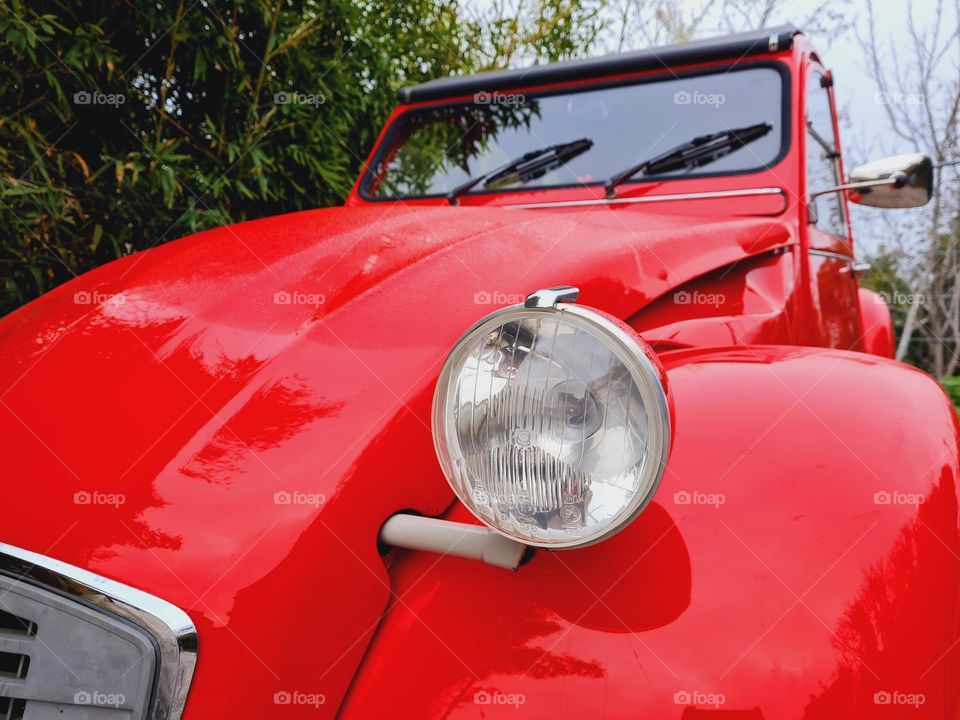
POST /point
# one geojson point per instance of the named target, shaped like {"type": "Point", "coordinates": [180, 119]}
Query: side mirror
{"type": "Point", "coordinates": [905, 181]}
{"type": "Point", "coordinates": [899, 181]}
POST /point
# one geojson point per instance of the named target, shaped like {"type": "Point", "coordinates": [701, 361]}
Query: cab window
{"type": "Point", "coordinates": [432, 150]}
{"type": "Point", "coordinates": [822, 158]}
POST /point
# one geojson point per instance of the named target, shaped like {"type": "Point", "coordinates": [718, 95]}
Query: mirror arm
{"type": "Point", "coordinates": [892, 180]}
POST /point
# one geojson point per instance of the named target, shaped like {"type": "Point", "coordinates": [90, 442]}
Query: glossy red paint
{"type": "Point", "coordinates": [259, 396]}
{"type": "Point", "coordinates": [776, 579]}
{"type": "Point", "coordinates": [224, 369]}
{"type": "Point", "coordinates": [877, 324]}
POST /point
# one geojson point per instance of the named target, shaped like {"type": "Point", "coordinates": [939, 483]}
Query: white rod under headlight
{"type": "Point", "coordinates": [475, 542]}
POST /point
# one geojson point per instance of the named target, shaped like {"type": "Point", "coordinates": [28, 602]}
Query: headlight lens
{"type": "Point", "coordinates": [551, 424]}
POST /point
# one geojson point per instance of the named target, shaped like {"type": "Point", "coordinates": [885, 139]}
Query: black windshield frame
{"type": "Point", "coordinates": [397, 128]}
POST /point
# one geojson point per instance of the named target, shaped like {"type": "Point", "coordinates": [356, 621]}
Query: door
{"type": "Point", "coordinates": [835, 309]}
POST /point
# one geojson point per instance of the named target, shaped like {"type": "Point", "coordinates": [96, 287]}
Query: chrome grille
{"type": "Point", "coordinates": [11, 624]}
{"type": "Point", "coordinates": [11, 709]}
{"type": "Point", "coordinates": [77, 646]}
{"type": "Point", "coordinates": [14, 665]}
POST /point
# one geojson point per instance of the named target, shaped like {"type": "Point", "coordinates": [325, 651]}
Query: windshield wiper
{"type": "Point", "coordinates": [693, 153]}
{"type": "Point", "coordinates": [529, 166]}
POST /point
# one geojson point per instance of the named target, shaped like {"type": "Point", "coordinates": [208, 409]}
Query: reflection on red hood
{"type": "Point", "coordinates": [225, 421]}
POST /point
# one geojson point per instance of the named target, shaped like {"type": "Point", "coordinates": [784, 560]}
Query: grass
{"type": "Point", "coordinates": [952, 386]}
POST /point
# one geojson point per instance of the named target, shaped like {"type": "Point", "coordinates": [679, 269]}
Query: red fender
{"type": "Point", "coordinates": [801, 559]}
{"type": "Point", "coordinates": [877, 324]}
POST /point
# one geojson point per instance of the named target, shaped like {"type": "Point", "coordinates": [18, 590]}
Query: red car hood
{"type": "Point", "coordinates": [226, 420]}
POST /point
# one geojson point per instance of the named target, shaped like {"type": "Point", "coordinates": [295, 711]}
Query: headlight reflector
{"type": "Point", "coordinates": [551, 424]}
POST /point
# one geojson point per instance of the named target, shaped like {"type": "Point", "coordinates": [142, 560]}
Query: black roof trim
{"type": "Point", "coordinates": [757, 42]}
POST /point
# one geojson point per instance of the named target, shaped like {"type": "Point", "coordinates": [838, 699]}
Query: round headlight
{"type": "Point", "coordinates": [551, 423]}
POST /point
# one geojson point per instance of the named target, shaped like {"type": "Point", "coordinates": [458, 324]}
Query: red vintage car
{"type": "Point", "coordinates": [575, 409]}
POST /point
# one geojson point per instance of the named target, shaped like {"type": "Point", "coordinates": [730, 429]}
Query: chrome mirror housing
{"type": "Point", "coordinates": [902, 181]}
{"type": "Point", "coordinates": [898, 181]}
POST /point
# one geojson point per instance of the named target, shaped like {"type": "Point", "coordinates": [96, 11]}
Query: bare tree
{"type": "Point", "coordinates": [922, 107]}
{"type": "Point", "coordinates": [827, 18]}
{"type": "Point", "coordinates": [511, 33]}
{"type": "Point", "coordinates": [648, 23]}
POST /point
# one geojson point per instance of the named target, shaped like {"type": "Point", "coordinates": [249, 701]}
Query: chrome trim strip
{"type": "Point", "coordinates": [748, 192]}
{"type": "Point", "coordinates": [831, 254]}
{"type": "Point", "coordinates": [171, 628]}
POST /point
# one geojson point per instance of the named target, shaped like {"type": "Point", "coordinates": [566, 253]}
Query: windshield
{"type": "Point", "coordinates": [431, 151]}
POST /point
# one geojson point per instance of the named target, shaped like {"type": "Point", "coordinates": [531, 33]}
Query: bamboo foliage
{"type": "Point", "coordinates": [127, 124]}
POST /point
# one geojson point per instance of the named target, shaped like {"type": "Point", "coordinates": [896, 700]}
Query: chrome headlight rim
{"type": "Point", "coordinates": [646, 372]}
